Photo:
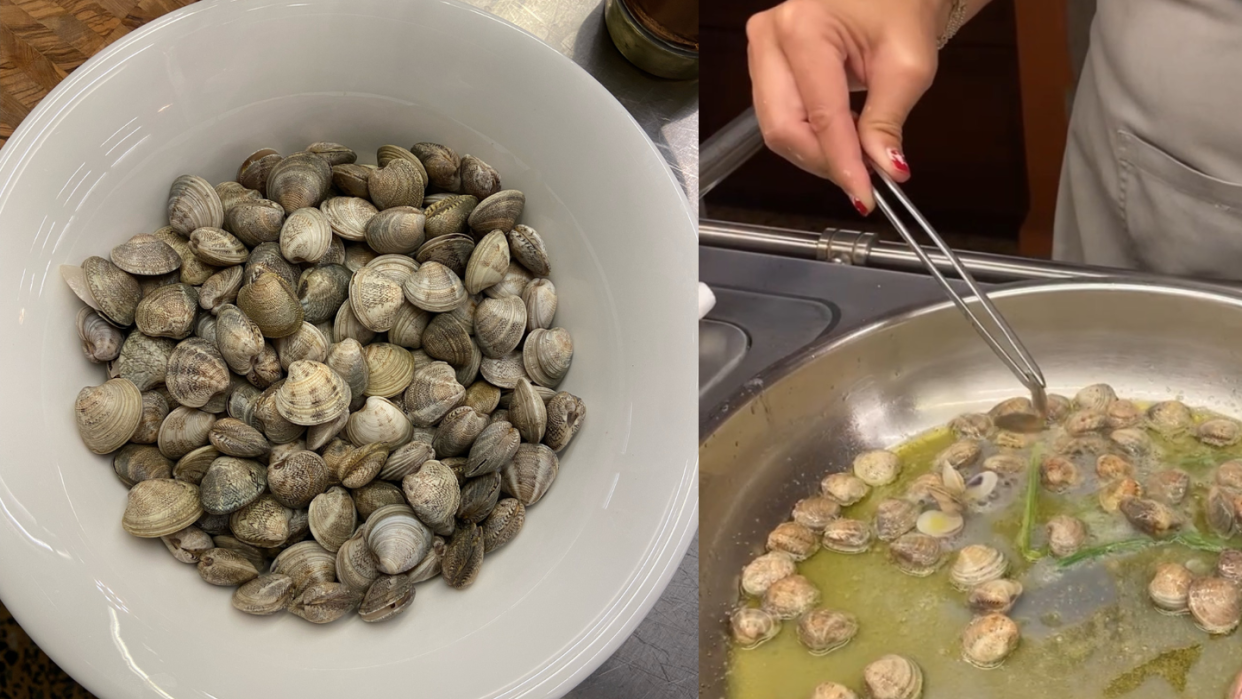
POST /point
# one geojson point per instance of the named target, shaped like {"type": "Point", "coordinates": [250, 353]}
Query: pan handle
{"type": "Point", "coordinates": [728, 149]}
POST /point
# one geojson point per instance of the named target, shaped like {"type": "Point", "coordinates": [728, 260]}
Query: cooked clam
{"type": "Point", "coordinates": [960, 454]}
{"type": "Point", "coordinates": [894, 517]}
{"type": "Point", "coordinates": [832, 690]}
{"type": "Point", "coordinates": [1150, 516]}
{"type": "Point", "coordinates": [973, 425]}
{"type": "Point", "coordinates": [1059, 474]}
{"type": "Point", "coordinates": [1112, 493]}
{"type": "Point", "coordinates": [790, 597]}
{"type": "Point", "coordinates": [1131, 440]}
{"type": "Point", "coordinates": [1066, 535]}
{"type": "Point", "coordinates": [977, 564]}
{"type": "Point", "coordinates": [825, 630]}
{"type": "Point", "coordinates": [1170, 418]}
{"type": "Point", "coordinates": [1229, 475]}
{"type": "Point", "coordinates": [816, 512]}
{"type": "Point", "coordinates": [845, 535]}
{"type": "Point", "coordinates": [994, 596]}
{"type": "Point", "coordinates": [1085, 421]}
{"type": "Point", "coordinates": [893, 677]}
{"type": "Point", "coordinates": [1095, 397]}
{"type": "Point", "coordinates": [751, 626]}
{"type": "Point", "coordinates": [876, 467]}
{"type": "Point", "coordinates": [1219, 432]}
{"type": "Point", "coordinates": [794, 539]}
{"type": "Point", "coordinates": [989, 639]}
{"type": "Point", "coordinates": [1169, 587]}
{"type": "Point", "coordinates": [1214, 604]}
{"type": "Point", "coordinates": [759, 574]}
{"type": "Point", "coordinates": [1110, 466]}
{"type": "Point", "coordinates": [1168, 486]}
{"type": "Point", "coordinates": [1219, 511]}
{"type": "Point", "coordinates": [916, 554]}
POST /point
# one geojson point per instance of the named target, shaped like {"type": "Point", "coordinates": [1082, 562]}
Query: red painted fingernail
{"type": "Point", "coordinates": [899, 160]}
{"type": "Point", "coordinates": [862, 208]}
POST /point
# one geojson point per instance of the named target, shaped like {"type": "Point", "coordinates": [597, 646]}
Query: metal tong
{"type": "Point", "coordinates": [1010, 350]}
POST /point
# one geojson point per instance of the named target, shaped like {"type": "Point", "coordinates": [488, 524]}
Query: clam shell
{"type": "Point", "coordinates": [893, 517]}
{"type": "Point", "coordinates": [989, 639]}
{"type": "Point", "coordinates": [453, 250]}
{"type": "Point", "coordinates": [321, 291]}
{"type": "Point", "coordinates": [1214, 605]}
{"type": "Point", "coordinates": [233, 193]}
{"type": "Point", "coordinates": [225, 567]}
{"type": "Point", "coordinates": [528, 413]}
{"type": "Point", "coordinates": [375, 298]}
{"type": "Point", "coordinates": [916, 554]}
{"type": "Point", "coordinates": [266, 369]}
{"type": "Point", "coordinates": [1217, 432]}
{"type": "Point", "coordinates": [751, 627]}
{"type": "Point", "coordinates": [540, 299]}
{"type": "Point", "coordinates": [362, 465]}
{"type": "Point", "coordinates": [308, 343]}
{"type": "Point", "coordinates": [565, 415]}
{"type": "Point", "coordinates": [267, 594]}
{"type": "Point", "coordinates": [154, 410]}
{"type": "Point", "coordinates": [432, 393]}
{"type": "Point", "coordinates": [334, 153]}
{"type": "Point", "coordinates": [499, 325]}
{"type": "Point", "coordinates": [196, 373]}
{"type": "Point", "coordinates": [264, 522]}
{"type": "Point", "coordinates": [448, 215]}
{"type": "Point", "coordinates": [482, 396]}
{"type": "Point", "coordinates": [280, 452]}
{"type": "Point", "coordinates": [277, 428]}
{"type": "Point", "coordinates": [759, 574]}
{"type": "Point", "coordinates": [517, 278]}
{"type": "Point", "coordinates": [893, 677]}
{"type": "Point", "coordinates": [305, 236]}
{"type": "Point", "coordinates": [394, 266]}
{"type": "Point", "coordinates": [447, 338]}
{"type": "Point", "coordinates": [440, 163]}
{"type": "Point", "coordinates": [299, 181]}
{"type": "Point", "coordinates": [387, 597]}
{"type": "Point", "coordinates": [406, 460]}
{"type": "Point", "coordinates": [397, 183]}
{"type": "Point", "coordinates": [463, 556]}
{"type": "Point", "coordinates": [994, 596]}
{"type": "Point", "coordinates": [206, 327]}
{"type": "Point", "coordinates": [146, 255]}
{"type": "Point", "coordinates": [313, 394]}
{"type": "Point", "coordinates": [398, 540]}
{"type": "Point", "coordinates": [192, 204]}
{"type": "Point", "coordinates": [498, 211]}
{"type": "Point", "coordinates": [332, 518]}
{"type": "Point", "coordinates": [504, 523]}
{"type": "Point", "coordinates": [160, 506]}
{"type": "Point", "coordinates": [458, 430]}
{"type": "Point", "coordinates": [398, 229]}
{"type": "Point", "coordinates": [255, 222]}
{"type": "Point", "coordinates": [319, 435]}
{"type": "Point", "coordinates": [1169, 587]}
{"type": "Point", "coordinates": [184, 430]}
{"type": "Point", "coordinates": [434, 288]}
{"type": "Point", "coordinates": [101, 341]}
{"type": "Point", "coordinates": [387, 154]}
{"type": "Point", "coordinates": [528, 249]}
{"type": "Point", "coordinates": [220, 289]}
{"type": "Point", "coordinates": [504, 372]}
{"type": "Point", "coordinates": [478, 498]}
{"type": "Point", "coordinates": [188, 544]}
{"type": "Point", "coordinates": [265, 258]}
{"type": "Point", "coordinates": [408, 326]}
{"type": "Point", "coordinates": [355, 564]}
{"type": "Point", "coordinates": [976, 564]}
{"type": "Point", "coordinates": [790, 597]}
{"type": "Point", "coordinates": [822, 631]}
{"type": "Point", "coordinates": [296, 480]}
{"type": "Point", "coordinates": [390, 369]}
{"type": "Point", "coordinates": [192, 467]}
{"type": "Point", "coordinates": [218, 247]}
{"type": "Point", "coordinates": [348, 360]}
{"type": "Point", "coordinates": [255, 169]}
{"type": "Point", "coordinates": [235, 438]}
{"type": "Point", "coordinates": [547, 355]}
{"type": "Point", "coordinates": [346, 326]}
{"type": "Point", "coordinates": [530, 473]}
{"type": "Point", "coordinates": [138, 462]}
{"type": "Point", "coordinates": [375, 495]}
{"type": "Point", "coordinates": [352, 179]}
{"type": "Point", "coordinates": [193, 270]}
{"type": "Point", "coordinates": [348, 216]}
{"type": "Point", "coordinates": [380, 420]}
{"type": "Point", "coordinates": [433, 492]}
{"type": "Point", "coordinates": [324, 602]}
{"type": "Point", "coordinates": [488, 263]}
{"type": "Point", "coordinates": [477, 178]}
{"type": "Point", "coordinates": [168, 311]}
{"type": "Point", "coordinates": [1151, 516]}
{"type": "Point", "coordinates": [230, 484]}
{"type": "Point", "coordinates": [115, 292]}
{"type": "Point", "coordinates": [272, 304]}
{"type": "Point", "coordinates": [108, 415]}
{"type": "Point", "coordinates": [306, 563]}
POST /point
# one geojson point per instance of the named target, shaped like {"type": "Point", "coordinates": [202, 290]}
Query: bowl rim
{"type": "Point", "coordinates": [670, 542]}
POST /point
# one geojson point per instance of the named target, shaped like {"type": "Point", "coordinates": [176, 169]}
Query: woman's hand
{"type": "Point", "coordinates": [806, 56]}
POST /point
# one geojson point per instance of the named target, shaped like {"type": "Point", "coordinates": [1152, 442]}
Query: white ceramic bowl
{"type": "Point", "coordinates": [197, 91]}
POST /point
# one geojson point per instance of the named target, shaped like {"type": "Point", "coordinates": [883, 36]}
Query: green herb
{"type": "Point", "coordinates": [1189, 539]}
{"type": "Point", "coordinates": [1030, 505]}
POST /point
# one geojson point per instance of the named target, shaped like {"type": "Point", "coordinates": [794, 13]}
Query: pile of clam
{"type": "Point", "coordinates": [1099, 447]}
{"type": "Point", "coordinates": [330, 381]}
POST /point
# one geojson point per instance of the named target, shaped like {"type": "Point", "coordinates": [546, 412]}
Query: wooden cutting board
{"type": "Point", "coordinates": [42, 41]}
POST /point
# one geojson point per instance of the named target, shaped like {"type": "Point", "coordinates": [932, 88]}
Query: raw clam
{"type": "Point", "coordinates": [441, 164]}
{"type": "Point", "coordinates": [375, 299]}
{"type": "Point", "coordinates": [235, 438]}
{"type": "Point", "coordinates": [406, 459]}
{"type": "Point", "coordinates": [432, 393]}
{"type": "Point", "coordinates": [488, 263]}
{"type": "Point", "coordinates": [458, 431]}
{"type": "Point", "coordinates": [348, 360]}
{"type": "Point", "coordinates": [547, 354]}
{"type": "Point", "coordinates": [267, 594]}
{"type": "Point", "coordinates": [527, 247]}
{"type": "Point", "coordinates": [540, 299]}
{"type": "Point", "coordinates": [387, 597]}
{"type": "Point", "coordinates": [220, 289]}
{"type": "Point", "coordinates": [463, 556]}
{"type": "Point", "coordinates": [264, 259]}
{"type": "Point", "coordinates": [504, 523]}
{"type": "Point", "coordinates": [189, 544]}
{"type": "Point", "coordinates": [355, 564]}
{"type": "Point", "coordinates": [230, 484]}
{"type": "Point", "coordinates": [146, 255]}
{"type": "Point", "coordinates": [306, 563]}
{"type": "Point", "coordinates": [183, 431]}
{"type": "Point", "coordinates": [434, 494]}
{"type": "Point", "coordinates": [434, 288]}
{"type": "Point", "coordinates": [264, 522]}
{"type": "Point", "coordinates": [397, 538]}
{"type": "Point", "coordinates": [108, 415]}
{"type": "Point", "coordinates": [477, 178]}
{"type": "Point", "coordinates": [299, 181]}
{"type": "Point", "coordinates": [324, 602]}
{"type": "Point", "coordinates": [390, 369]}
{"type": "Point", "coordinates": [256, 221]}
{"type": "Point", "coordinates": [375, 495]}
{"type": "Point", "coordinates": [101, 341]}
{"type": "Point", "coordinates": [497, 211]}
{"type": "Point", "coordinates": [192, 467]}
{"type": "Point", "coordinates": [448, 216]}
{"type": "Point", "coordinates": [138, 462]}
{"type": "Point", "coordinates": [255, 169]}
{"type": "Point", "coordinates": [332, 518]}
{"type": "Point", "coordinates": [380, 420]}
{"type": "Point", "coordinates": [305, 236]}
{"type": "Point", "coordinates": [192, 204]}
{"type": "Point", "coordinates": [307, 343]}
{"type": "Point", "coordinates": [193, 270]}
{"type": "Point", "coordinates": [478, 497]}
{"type": "Point", "coordinates": [272, 304]}
{"type": "Point", "coordinates": [517, 278]}
{"type": "Point", "coordinates": [160, 506]}
{"type": "Point", "coordinates": [529, 474]}
{"type": "Point", "coordinates": [397, 183]}
{"type": "Point", "coordinates": [360, 466]}
{"type": "Point", "coordinates": [297, 479]}
{"type": "Point", "coordinates": [225, 567]}
{"type": "Point", "coordinates": [499, 325]}
{"type": "Point", "coordinates": [115, 293]}
{"type": "Point", "coordinates": [399, 229]}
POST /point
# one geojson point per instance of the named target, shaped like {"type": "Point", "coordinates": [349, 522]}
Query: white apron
{"type": "Point", "coordinates": [1152, 176]}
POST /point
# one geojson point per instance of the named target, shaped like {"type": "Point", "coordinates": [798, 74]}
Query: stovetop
{"type": "Point", "coordinates": [769, 307]}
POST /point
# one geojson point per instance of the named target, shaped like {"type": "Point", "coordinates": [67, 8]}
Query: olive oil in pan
{"type": "Point", "coordinates": [1088, 630]}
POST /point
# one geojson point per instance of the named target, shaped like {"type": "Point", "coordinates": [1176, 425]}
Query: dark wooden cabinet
{"type": "Point", "coordinates": [964, 141]}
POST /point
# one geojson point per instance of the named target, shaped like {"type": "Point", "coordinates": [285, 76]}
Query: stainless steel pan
{"type": "Point", "coordinates": [898, 377]}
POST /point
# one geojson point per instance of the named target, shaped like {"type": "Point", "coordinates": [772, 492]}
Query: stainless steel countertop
{"type": "Point", "coordinates": [660, 660]}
